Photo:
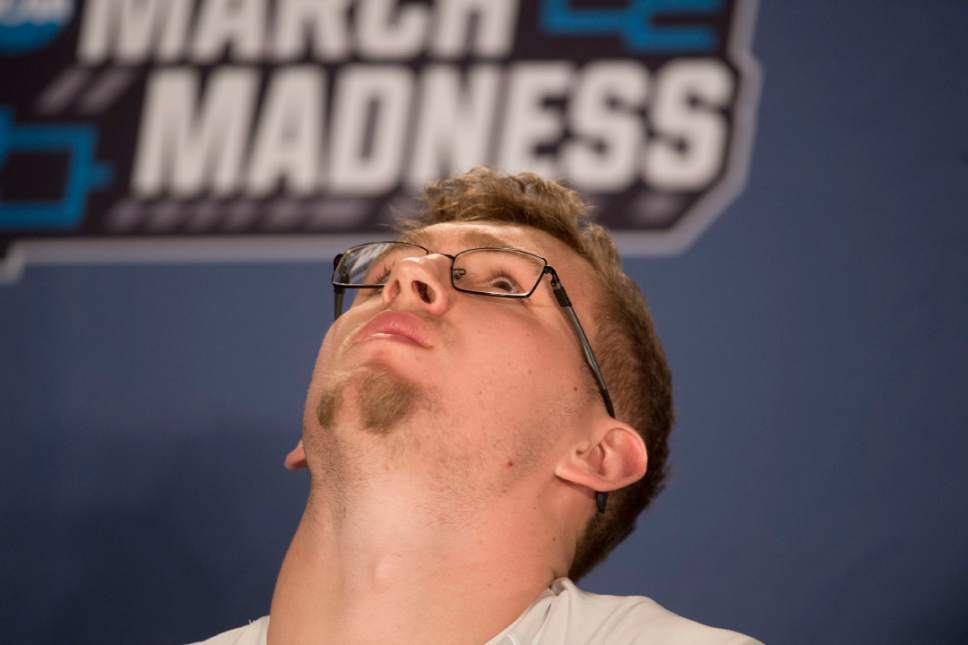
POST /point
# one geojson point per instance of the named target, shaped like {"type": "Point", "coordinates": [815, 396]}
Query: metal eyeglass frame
{"type": "Point", "coordinates": [601, 498]}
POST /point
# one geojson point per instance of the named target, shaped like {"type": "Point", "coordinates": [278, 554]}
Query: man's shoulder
{"type": "Point", "coordinates": [252, 634]}
{"type": "Point", "coordinates": [600, 618]}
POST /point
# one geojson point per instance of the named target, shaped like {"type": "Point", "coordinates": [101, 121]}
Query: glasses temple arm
{"type": "Point", "coordinates": [586, 347]}
{"type": "Point", "coordinates": [601, 497]}
{"type": "Point", "coordinates": [337, 291]}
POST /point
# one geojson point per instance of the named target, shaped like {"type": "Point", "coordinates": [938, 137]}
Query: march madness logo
{"type": "Point", "coordinates": [183, 129]}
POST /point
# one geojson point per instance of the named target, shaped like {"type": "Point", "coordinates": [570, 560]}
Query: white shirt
{"type": "Point", "coordinates": [564, 614]}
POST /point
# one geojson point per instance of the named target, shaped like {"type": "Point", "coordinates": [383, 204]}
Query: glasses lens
{"type": "Point", "coordinates": [500, 272]}
{"type": "Point", "coordinates": [371, 264]}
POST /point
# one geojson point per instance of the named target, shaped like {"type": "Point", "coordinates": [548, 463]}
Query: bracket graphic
{"type": "Point", "coordinates": [84, 173]}
{"type": "Point", "coordinates": [635, 24]}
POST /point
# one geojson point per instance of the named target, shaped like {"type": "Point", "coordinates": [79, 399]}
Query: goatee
{"type": "Point", "coordinates": [384, 398]}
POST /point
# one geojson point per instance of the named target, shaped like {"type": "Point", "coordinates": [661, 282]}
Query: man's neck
{"type": "Point", "coordinates": [373, 570]}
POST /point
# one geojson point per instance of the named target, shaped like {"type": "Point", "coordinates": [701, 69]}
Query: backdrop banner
{"type": "Point", "coordinates": [181, 129]}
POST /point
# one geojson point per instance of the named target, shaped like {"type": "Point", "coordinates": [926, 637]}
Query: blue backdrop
{"type": "Point", "coordinates": [816, 333]}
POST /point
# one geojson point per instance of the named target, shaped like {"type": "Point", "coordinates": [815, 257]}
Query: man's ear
{"type": "Point", "coordinates": [616, 458]}
{"type": "Point", "coordinates": [297, 458]}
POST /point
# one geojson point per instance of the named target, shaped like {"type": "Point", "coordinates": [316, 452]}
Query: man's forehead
{"type": "Point", "coordinates": [463, 235]}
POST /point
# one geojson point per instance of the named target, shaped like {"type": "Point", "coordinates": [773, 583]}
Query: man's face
{"type": "Point", "coordinates": [465, 388]}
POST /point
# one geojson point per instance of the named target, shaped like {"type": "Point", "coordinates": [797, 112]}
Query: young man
{"type": "Point", "coordinates": [478, 437]}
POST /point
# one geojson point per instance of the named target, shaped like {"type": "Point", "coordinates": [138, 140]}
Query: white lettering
{"type": "Point", "coordinates": [690, 145]}
{"type": "Point", "coordinates": [234, 24]}
{"type": "Point", "coordinates": [496, 24]}
{"type": "Point", "coordinates": [326, 22]}
{"type": "Point", "coordinates": [367, 157]}
{"type": "Point", "coordinates": [453, 128]}
{"type": "Point", "coordinates": [184, 147]}
{"type": "Point", "coordinates": [382, 37]}
{"type": "Point", "coordinates": [528, 122]}
{"type": "Point", "coordinates": [287, 144]}
{"type": "Point", "coordinates": [131, 27]}
{"type": "Point", "coordinates": [602, 156]}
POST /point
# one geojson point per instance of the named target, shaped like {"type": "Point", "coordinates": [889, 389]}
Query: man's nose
{"type": "Point", "coordinates": [420, 282]}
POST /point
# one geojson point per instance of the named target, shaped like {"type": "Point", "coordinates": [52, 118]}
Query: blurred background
{"type": "Point", "coordinates": [815, 324]}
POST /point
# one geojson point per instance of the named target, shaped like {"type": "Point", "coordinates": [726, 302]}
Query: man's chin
{"type": "Point", "coordinates": [381, 398]}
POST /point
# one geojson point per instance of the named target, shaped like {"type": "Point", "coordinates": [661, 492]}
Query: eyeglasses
{"type": "Point", "coordinates": [487, 271]}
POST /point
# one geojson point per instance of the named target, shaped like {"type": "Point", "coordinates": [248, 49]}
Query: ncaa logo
{"type": "Point", "coordinates": [28, 25]}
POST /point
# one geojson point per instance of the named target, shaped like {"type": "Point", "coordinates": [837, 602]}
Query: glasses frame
{"type": "Point", "coordinates": [557, 288]}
